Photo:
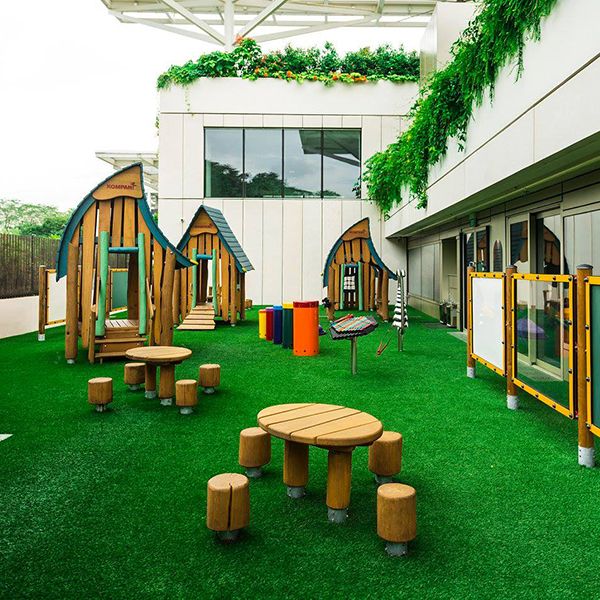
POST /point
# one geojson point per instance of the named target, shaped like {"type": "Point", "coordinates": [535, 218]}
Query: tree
{"type": "Point", "coordinates": [31, 219]}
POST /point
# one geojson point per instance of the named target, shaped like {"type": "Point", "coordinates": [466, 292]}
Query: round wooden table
{"type": "Point", "coordinates": [337, 429]}
{"type": "Point", "coordinates": [165, 357]}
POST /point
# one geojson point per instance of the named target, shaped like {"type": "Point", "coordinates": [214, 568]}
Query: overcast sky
{"type": "Point", "coordinates": [74, 81]}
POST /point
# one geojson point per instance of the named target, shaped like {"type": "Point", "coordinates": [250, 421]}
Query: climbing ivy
{"type": "Point", "coordinates": [496, 36]}
{"type": "Point", "coordinates": [248, 61]}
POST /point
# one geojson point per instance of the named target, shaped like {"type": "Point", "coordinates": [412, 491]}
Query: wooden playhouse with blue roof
{"type": "Point", "coordinates": [355, 276]}
{"type": "Point", "coordinates": [114, 218]}
{"type": "Point", "coordinates": [215, 286]}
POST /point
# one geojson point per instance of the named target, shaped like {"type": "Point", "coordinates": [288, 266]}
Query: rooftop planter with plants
{"type": "Point", "coordinates": [248, 61]}
{"type": "Point", "coordinates": [495, 37]}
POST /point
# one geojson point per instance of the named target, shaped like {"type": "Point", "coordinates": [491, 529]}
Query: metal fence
{"type": "Point", "coordinates": [20, 259]}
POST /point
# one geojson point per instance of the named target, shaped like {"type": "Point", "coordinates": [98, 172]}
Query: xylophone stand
{"type": "Point", "coordinates": [353, 354]}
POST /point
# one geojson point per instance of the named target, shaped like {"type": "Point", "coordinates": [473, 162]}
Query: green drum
{"type": "Point", "coordinates": [288, 326]}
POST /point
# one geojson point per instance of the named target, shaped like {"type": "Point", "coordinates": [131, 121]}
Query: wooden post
{"type": "Point", "coordinates": [242, 296]}
{"type": "Point", "coordinates": [339, 475]}
{"type": "Point", "coordinates": [232, 291]}
{"type": "Point", "coordinates": [72, 304]}
{"type": "Point", "coordinates": [295, 468]}
{"type": "Point", "coordinates": [166, 384]}
{"type": "Point", "coordinates": [512, 400]}
{"type": "Point", "coordinates": [584, 436]}
{"type": "Point", "coordinates": [150, 381]}
{"type": "Point", "coordinates": [470, 359]}
{"type": "Point", "coordinates": [166, 306]}
{"type": "Point", "coordinates": [331, 293]}
{"type": "Point", "coordinates": [177, 296]}
{"type": "Point", "coordinates": [42, 304]}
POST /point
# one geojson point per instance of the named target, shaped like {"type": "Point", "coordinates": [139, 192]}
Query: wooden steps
{"type": "Point", "coordinates": [200, 318]}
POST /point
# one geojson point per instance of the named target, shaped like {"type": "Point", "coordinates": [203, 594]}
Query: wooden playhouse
{"type": "Point", "coordinates": [215, 286]}
{"type": "Point", "coordinates": [114, 218]}
{"type": "Point", "coordinates": [355, 276]}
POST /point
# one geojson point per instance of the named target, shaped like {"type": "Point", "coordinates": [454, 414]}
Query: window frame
{"type": "Point", "coordinates": [282, 130]}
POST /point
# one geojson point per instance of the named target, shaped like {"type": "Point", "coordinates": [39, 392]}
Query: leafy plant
{"type": "Point", "coordinates": [247, 60]}
{"type": "Point", "coordinates": [31, 219]}
{"type": "Point", "coordinates": [496, 36]}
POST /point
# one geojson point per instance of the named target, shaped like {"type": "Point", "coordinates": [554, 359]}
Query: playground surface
{"type": "Point", "coordinates": [114, 504]}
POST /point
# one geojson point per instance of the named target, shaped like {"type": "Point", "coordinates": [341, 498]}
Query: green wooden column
{"type": "Point", "coordinates": [101, 293]}
{"type": "Point", "coordinates": [214, 281]}
{"type": "Point", "coordinates": [194, 279]}
{"type": "Point", "coordinates": [143, 301]}
{"type": "Point", "coordinates": [342, 275]}
{"type": "Point", "coordinates": [360, 286]}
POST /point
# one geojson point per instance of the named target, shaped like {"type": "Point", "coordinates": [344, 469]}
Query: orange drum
{"type": "Point", "coordinates": [306, 328]}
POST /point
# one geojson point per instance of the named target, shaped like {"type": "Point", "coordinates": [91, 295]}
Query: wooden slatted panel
{"type": "Point", "coordinates": [224, 284]}
{"type": "Point", "coordinates": [233, 295]}
{"type": "Point", "coordinates": [366, 285]}
{"type": "Point", "coordinates": [372, 289]}
{"type": "Point", "coordinates": [157, 270]}
{"type": "Point", "coordinates": [129, 227]}
{"type": "Point", "coordinates": [356, 250]}
{"type": "Point", "coordinates": [183, 291]}
{"type": "Point", "coordinates": [217, 247]}
{"type": "Point", "coordinates": [87, 271]}
{"type": "Point", "coordinates": [117, 223]}
{"type": "Point", "coordinates": [300, 412]}
{"type": "Point", "coordinates": [104, 214]}
{"type": "Point", "coordinates": [325, 433]}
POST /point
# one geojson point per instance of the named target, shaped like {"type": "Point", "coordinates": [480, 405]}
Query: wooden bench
{"type": "Point", "coordinates": [228, 505]}
{"type": "Point", "coordinates": [396, 516]}
{"type": "Point", "coordinates": [255, 450]}
{"type": "Point", "coordinates": [385, 456]}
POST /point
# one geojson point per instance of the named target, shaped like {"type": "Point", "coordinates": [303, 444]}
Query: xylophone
{"type": "Point", "coordinates": [350, 328]}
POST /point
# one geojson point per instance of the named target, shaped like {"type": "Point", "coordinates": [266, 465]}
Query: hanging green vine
{"type": "Point", "coordinates": [494, 37]}
{"type": "Point", "coordinates": [247, 60]}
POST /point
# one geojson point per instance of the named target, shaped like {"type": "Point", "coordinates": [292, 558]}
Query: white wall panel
{"type": "Point", "coordinates": [253, 247]}
{"type": "Point", "coordinates": [292, 120]}
{"type": "Point", "coordinates": [253, 120]}
{"type": "Point", "coordinates": [332, 226]}
{"type": "Point", "coordinates": [272, 251]}
{"type": "Point", "coordinates": [311, 250]}
{"type": "Point", "coordinates": [351, 213]}
{"type": "Point", "coordinates": [390, 130]}
{"type": "Point", "coordinates": [233, 212]}
{"type": "Point", "coordinates": [193, 156]}
{"type": "Point", "coordinates": [171, 219]}
{"type": "Point", "coordinates": [371, 142]}
{"type": "Point", "coordinates": [332, 121]}
{"type": "Point", "coordinates": [233, 121]}
{"type": "Point", "coordinates": [188, 210]}
{"type": "Point", "coordinates": [273, 121]}
{"type": "Point", "coordinates": [171, 153]}
{"type": "Point", "coordinates": [292, 250]}
{"type": "Point", "coordinates": [314, 121]}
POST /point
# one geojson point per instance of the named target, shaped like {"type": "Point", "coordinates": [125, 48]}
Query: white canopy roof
{"type": "Point", "coordinates": [223, 21]}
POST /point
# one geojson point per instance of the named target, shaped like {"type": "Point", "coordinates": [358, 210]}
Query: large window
{"type": "Point", "coordinates": [282, 163]}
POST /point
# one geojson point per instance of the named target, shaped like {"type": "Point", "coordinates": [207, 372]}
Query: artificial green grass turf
{"type": "Point", "coordinates": [113, 505]}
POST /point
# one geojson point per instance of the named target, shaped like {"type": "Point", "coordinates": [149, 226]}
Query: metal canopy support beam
{"type": "Point", "coordinates": [228, 22]}
{"type": "Point", "coordinates": [171, 29]}
{"type": "Point", "coordinates": [194, 20]}
{"type": "Point", "coordinates": [264, 14]}
{"type": "Point", "coordinates": [324, 27]}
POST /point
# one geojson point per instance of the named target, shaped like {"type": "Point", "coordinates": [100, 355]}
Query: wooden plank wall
{"type": "Point", "coordinates": [228, 278]}
{"type": "Point", "coordinates": [123, 220]}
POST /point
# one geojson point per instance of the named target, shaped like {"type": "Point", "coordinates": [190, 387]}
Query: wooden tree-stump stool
{"type": "Point", "coordinates": [396, 516]}
{"type": "Point", "coordinates": [255, 450]}
{"type": "Point", "coordinates": [209, 377]}
{"type": "Point", "coordinates": [385, 456]}
{"type": "Point", "coordinates": [135, 375]}
{"type": "Point", "coordinates": [186, 395]}
{"type": "Point", "coordinates": [228, 505]}
{"type": "Point", "coordinates": [100, 392]}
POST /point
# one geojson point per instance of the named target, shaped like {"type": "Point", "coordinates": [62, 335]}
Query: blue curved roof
{"type": "Point", "coordinates": [376, 258]}
{"type": "Point", "coordinates": [227, 237]}
{"type": "Point", "coordinates": [142, 203]}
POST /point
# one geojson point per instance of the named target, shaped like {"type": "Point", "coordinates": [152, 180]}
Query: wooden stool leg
{"type": "Point", "coordinates": [295, 468]}
{"type": "Point", "coordinates": [150, 383]}
{"type": "Point", "coordinates": [339, 477]}
{"type": "Point", "coordinates": [166, 384]}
